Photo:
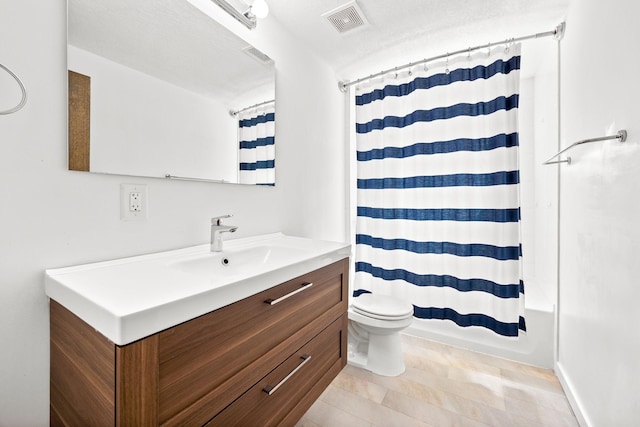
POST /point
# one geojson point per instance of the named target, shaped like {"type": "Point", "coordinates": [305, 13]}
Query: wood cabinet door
{"type": "Point", "coordinates": [270, 401]}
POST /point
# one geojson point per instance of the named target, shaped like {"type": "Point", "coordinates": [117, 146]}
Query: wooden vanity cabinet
{"type": "Point", "coordinates": [261, 361]}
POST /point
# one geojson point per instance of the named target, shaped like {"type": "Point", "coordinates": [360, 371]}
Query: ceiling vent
{"type": "Point", "coordinates": [256, 54]}
{"type": "Point", "coordinates": [346, 17]}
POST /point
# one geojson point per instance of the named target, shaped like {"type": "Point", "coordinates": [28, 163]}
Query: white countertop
{"type": "Point", "coordinates": [131, 298]}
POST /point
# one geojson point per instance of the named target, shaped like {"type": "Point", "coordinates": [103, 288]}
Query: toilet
{"type": "Point", "coordinates": [375, 322]}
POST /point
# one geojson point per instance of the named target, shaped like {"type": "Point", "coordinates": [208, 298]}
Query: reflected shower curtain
{"type": "Point", "coordinates": [438, 207]}
{"type": "Point", "coordinates": [256, 135]}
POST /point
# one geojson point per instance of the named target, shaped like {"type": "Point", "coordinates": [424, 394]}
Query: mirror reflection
{"type": "Point", "coordinates": [159, 89]}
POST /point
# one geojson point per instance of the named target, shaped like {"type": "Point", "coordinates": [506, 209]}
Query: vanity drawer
{"type": "Point", "coordinates": [204, 364]}
{"type": "Point", "coordinates": [293, 385]}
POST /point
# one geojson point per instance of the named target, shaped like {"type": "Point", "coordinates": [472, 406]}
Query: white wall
{"type": "Point", "coordinates": [599, 345]}
{"type": "Point", "coordinates": [51, 217]}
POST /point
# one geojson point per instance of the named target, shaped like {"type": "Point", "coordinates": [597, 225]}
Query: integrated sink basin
{"type": "Point", "coordinates": [131, 298]}
{"type": "Point", "coordinates": [238, 261]}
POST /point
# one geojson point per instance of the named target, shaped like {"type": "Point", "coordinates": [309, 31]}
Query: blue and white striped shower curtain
{"type": "Point", "coordinates": [257, 154]}
{"type": "Point", "coordinates": [438, 207]}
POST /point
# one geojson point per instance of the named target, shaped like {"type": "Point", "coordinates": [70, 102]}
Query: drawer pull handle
{"type": "Point", "coordinates": [270, 390]}
{"type": "Point", "coordinates": [290, 294]}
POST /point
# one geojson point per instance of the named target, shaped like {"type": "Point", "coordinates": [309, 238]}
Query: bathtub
{"type": "Point", "coordinates": [536, 347]}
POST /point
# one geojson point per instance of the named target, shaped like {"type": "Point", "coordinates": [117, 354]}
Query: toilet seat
{"type": "Point", "coordinates": [382, 307]}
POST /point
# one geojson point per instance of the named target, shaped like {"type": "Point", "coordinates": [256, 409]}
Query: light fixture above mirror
{"type": "Point", "coordinates": [251, 12]}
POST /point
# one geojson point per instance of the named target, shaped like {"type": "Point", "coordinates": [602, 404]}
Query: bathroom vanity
{"type": "Point", "coordinates": [261, 360]}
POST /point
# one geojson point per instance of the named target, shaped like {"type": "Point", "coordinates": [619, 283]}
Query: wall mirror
{"type": "Point", "coordinates": [152, 84]}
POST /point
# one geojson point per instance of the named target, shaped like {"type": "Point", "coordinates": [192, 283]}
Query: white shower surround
{"type": "Point", "coordinates": [533, 348]}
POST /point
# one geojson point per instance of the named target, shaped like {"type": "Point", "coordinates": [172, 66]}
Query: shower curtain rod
{"type": "Point", "coordinates": [236, 112]}
{"type": "Point", "coordinates": [557, 34]}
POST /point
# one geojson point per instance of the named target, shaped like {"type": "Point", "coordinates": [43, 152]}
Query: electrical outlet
{"type": "Point", "coordinates": [133, 202]}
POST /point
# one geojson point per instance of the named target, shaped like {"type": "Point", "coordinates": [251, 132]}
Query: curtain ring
{"type": "Point", "coordinates": [506, 46]}
{"type": "Point", "coordinates": [370, 80]}
{"type": "Point", "coordinates": [469, 54]}
{"type": "Point", "coordinates": [488, 50]}
{"type": "Point", "coordinates": [446, 69]}
{"type": "Point", "coordinates": [410, 72]}
{"type": "Point", "coordinates": [425, 65]}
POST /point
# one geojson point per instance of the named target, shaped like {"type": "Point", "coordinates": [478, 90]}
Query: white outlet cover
{"type": "Point", "coordinates": [126, 214]}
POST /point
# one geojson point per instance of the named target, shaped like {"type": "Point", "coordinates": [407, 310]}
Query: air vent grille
{"type": "Point", "coordinates": [256, 54]}
{"type": "Point", "coordinates": [346, 17]}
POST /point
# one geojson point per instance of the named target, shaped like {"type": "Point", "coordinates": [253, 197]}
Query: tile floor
{"type": "Point", "coordinates": [443, 386]}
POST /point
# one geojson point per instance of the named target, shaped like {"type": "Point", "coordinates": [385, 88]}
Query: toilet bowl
{"type": "Point", "coordinates": [375, 322]}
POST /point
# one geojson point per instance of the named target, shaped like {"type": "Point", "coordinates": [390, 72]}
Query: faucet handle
{"type": "Point", "coordinates": [217, 220]}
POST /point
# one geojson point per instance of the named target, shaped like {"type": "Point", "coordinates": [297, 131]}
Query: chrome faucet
{"type": "Point", "coordinates": [216, 232]}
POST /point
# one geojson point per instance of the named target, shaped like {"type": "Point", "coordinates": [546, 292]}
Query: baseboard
{"type": "Point", "coordinates": [574, 401]}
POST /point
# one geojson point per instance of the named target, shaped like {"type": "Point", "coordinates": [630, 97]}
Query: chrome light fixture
{"type": "Point", "coordinates": [257, 9]}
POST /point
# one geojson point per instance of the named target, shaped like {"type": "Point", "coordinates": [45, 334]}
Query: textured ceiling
{"type": "Point", "coordinates": [407, 30]}
{"type": "Point", "coordinates": [398, 31]}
